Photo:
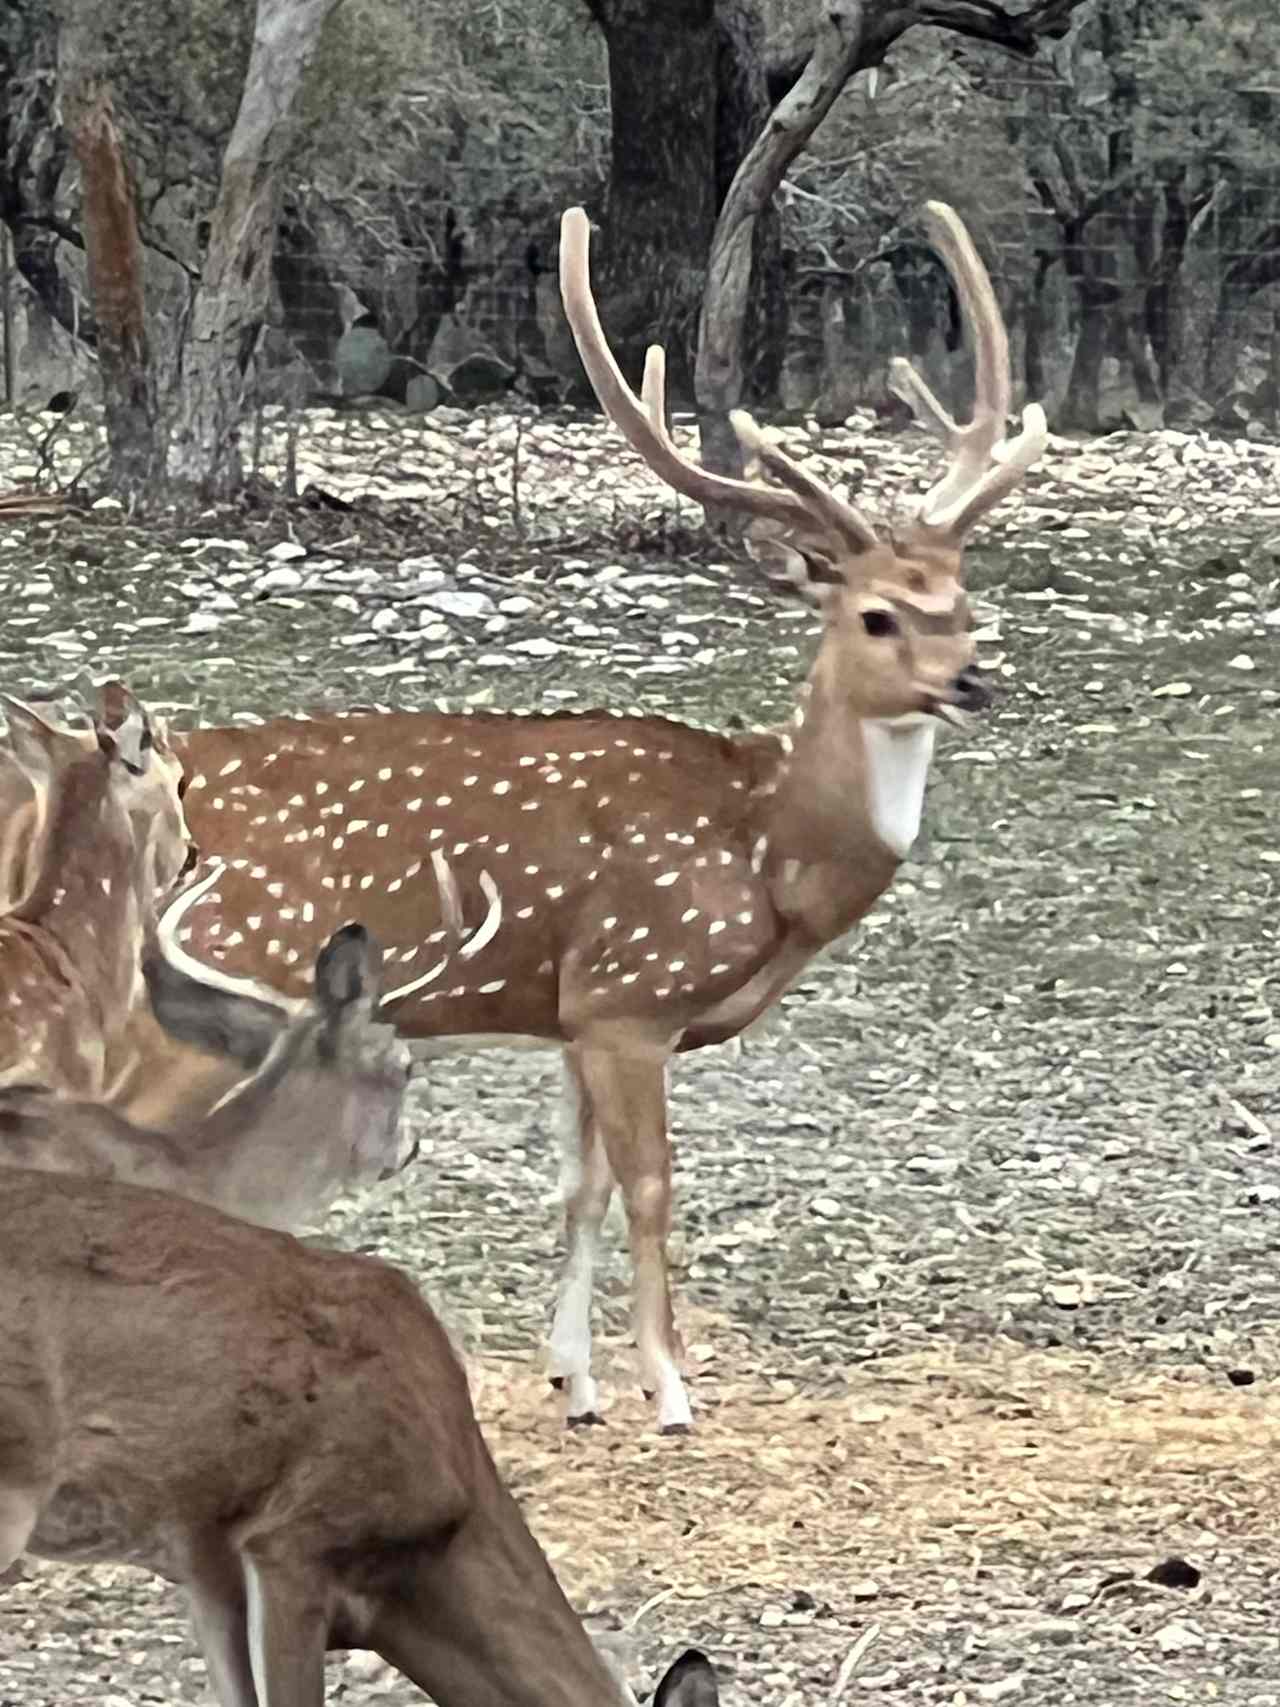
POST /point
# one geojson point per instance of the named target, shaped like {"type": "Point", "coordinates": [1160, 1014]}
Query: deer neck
{"type": "Point", "coordinates": [845, 806]}
{"type": "Point", "coordinates": [86, 895]}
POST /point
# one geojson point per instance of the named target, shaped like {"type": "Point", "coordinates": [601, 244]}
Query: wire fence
{"type": "Point", "coordinates": [1140, 282]}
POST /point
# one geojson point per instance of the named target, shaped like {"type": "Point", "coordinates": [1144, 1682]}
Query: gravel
{"type": "Point", "coordinates": [976, 1238]}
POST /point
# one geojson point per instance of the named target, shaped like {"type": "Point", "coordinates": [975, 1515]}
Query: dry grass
{"type": "Point", "coordinates": [945, 1463]}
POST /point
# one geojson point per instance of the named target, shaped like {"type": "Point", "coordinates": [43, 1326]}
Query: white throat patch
{"type": "Point", "coordinates": [898, 753]}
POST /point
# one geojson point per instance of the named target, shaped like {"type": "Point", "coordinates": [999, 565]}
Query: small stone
{"type": "Point", "coordinates": [865, 1588]}
{"type": "Point", "coordinates": [772, 1617]}
{"type": "Point", "coordinates": [1000, 1687]}
{"type": "Point", "coordinates": [935, 1166]}
{"type": "Point", "coordinates": [282, 580]}
{"type": "Point", "coordinates": [383, 621]}
{"type": "Point", "coordinates": [1173, 690]}
{"type": "Point", "coordinates": [1241, 661]}
{"type": "Point", "coordinates": [288, 551]}
{"type": "Point", "coordinates": [453, 601]}
{"type": "Point", "coordinates": [1178, 1638]}
{"type": "Point", "coordinates": [537, 647]}
{"type": "Point", "coordinates": [1174, 1572]}
{"type": "Point", "coordinates": [827, 1207]}
{"type": "Point", "coordinates": [1241, 1377]}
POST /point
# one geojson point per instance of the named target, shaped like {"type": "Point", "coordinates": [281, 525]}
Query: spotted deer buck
{"type": "Point", "coordinates": [100, 837]}
{"type": "Point", "coordinates": [663, 885]}
{"type": "Point", "coordinates": [285, 1432]}
{"type": "Point", "coordinates": [316, 1095]}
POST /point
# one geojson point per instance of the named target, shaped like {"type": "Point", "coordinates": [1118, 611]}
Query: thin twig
{"type": "Point", "coordinates": [850, 1662]}
{"type": "Point", "coordinates": [653, 1600]}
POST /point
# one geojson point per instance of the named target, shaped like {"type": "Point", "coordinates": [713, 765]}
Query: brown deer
{"type": "Point", "coordinates": [663, 885]}
{"type": "Point", "coordinates": [287, 1433]}
{"type": "Point", "coordinates": [314, 1107]}
{"type": "Point", "coordinates": [101, 837]}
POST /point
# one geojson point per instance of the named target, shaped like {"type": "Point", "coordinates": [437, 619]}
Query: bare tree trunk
{"type": "Point", "coordinates": [743, 105]}
{"type": "Point", "coordinates": [6, 313]}
{"type": "Point", "coordinates": [662, 202]}
{"type": "Point", "coordinates": [231, 300]}
{"type": "Point", "coordinates": [117, 290]}
{"type": "Point", "coordinates": [719, 378]}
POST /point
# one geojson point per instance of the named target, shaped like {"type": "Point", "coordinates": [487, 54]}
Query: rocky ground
{"type": "Point", "coordinates": [977, 1239]}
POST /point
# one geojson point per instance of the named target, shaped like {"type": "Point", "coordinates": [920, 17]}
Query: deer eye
{"type": "Point", "coordinates": [879, 623]}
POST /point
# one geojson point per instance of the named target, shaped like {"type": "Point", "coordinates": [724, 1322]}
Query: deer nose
{"type": "Point", "coordinates": [969, 691]}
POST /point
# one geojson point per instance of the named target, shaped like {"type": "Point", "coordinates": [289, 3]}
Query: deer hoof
{"type": "Point", "coordinates": [676, 1428]}
{"type": "Point", "coordinates": [558, 1381]}
{"type": "Point", "coordinates": [588, 1419]}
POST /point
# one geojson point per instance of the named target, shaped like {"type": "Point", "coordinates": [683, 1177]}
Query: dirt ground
{"type": "Point", "coordinates": [977, 1239]}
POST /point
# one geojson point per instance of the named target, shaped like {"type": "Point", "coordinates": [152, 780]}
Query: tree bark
{"type": "Point", "coordinates": [662, 202]}
{"type": "Point", "coordinates": [743, 106]}
{"type": "Point", "coordinates": [719, 374]}
{"type": "Point", "coordinates": [113, 251]}
{"type": "Point", "coordinates": [231, 299]}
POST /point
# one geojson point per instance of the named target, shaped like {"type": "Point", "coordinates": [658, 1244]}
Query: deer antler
{"type": "Point", "coordinates": [642, 420]}
{"type": "Point", "coordinates": [984, 466]}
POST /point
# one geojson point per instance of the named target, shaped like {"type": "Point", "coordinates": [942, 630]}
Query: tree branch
{"type": "Point", "coordinates": [1019, 33]}
{"type": "Point", "coordinates": [718, 378]}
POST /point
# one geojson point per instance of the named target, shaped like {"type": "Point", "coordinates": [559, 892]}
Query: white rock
{"type": "Point", "coordinates": [453, 601]}
{"type": "Point", "coordinates": [280, 580]}
{"type": "Point", "coordinates": [537, 647]}
{"type": "Point", "coordinates": [1178, 1638]}
{"type": "Point", "coordinates": [827, 1207]}
{"type": "Point", "coordinates": [288, 551]}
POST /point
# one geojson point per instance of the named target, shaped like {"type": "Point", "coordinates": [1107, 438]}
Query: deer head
{"type": "Point", "coordinates": [897, 644]}
{"type": "Point", "coordinates": [120, 775]}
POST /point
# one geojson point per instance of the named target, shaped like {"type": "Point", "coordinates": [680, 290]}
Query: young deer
{"type": "Point", "coordinates": [102, 836]}
{"type": "Point", "coordinates": [663, 885]}
{"type": "Point", "coordinates": [286, 1433]}
{"type": "Point", "coordinates": [317, 1114]}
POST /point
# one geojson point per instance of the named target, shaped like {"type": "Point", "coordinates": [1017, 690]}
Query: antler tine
{"type": "Point", "coordinates": [983, 467]}
{"type": "Point", "coordinates": [642, 420]}
{"type": "Point", "coordinates": [820, 503]}
{"type": "Point", "coordinates": [163, 940]}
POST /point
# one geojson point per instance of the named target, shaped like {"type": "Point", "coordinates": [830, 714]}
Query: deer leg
{"type": "Point", "coordinates": [626, 1089]}
{"type": "Point", "coordinates": [215, 1587]}
{"type": "Point", "coordinates": [587, 1184]}
{"type": "Point", "coordinates": [19, 1510]}
{"type": "Point", "coordinates": [287, 1627]}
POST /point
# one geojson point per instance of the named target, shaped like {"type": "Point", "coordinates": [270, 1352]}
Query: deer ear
{"type": "Point", "coordinates": [123, 727]}
{"type": "Point", "coordinates": [32, 741]}
{"type": "Point", "coordinates": [799, 562]}
{"type": "Point", "coordinates": [690, 1682]}
{"type": "Point", "coordinates": [210, 1017]}
{"type": "Point", "coordinates": [348, 970]}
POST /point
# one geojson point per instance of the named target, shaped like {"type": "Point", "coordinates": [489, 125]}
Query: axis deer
{"type": "Point", "coordinates": [663, 885]}
{"type": "Point", "coordinates": [318, 1112]}
{"type": "Point", "coordinates": [102, 835]}
{"type": "Point", "coordinates": [285, 1432]}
